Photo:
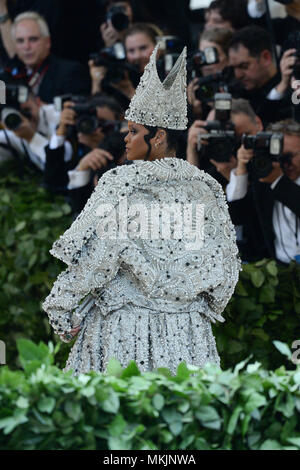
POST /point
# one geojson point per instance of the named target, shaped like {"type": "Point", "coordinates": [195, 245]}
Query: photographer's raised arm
{"type": "Point", "coordinates": [97, 73]}
{"type": "Point", "coordinates": [192, 154]}
{"type": "Point", "coordinates": [238, 184]}
{"type": "Point", "coordinates": [287, 63]}
{"type": "Point", "coordinates": [5, 29]}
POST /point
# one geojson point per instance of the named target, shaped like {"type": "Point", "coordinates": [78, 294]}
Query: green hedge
{"type": "Point", "coordinates": [30, 220]}
{"type": "Point", "coordinates": [265, 307]}
{"type": "Point", "coordinates": [245, 408]}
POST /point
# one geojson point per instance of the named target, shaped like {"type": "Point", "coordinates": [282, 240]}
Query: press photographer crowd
{"type": "Point", "coordinates": [70, 75]}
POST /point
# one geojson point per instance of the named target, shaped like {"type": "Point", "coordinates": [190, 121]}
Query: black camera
{"type": "Point", "coordinates": [221, 82]}
{"type": "Point", "coordinates": [117, 15]}
{"type": "Point", "coordinates": [10, 112]}
{"type": "Point", "coordinates": [86, 112]}
{"type": "Point", "coordinates": [208, 56]}
{"type": "Point", "coordinates": [114, 59]}
{"type": "Point", "coordinates": [293, 42]}
{"type": "Point", "coordinates": [267, 148]}
{"type": "Point", "coordinates": [220, 142]}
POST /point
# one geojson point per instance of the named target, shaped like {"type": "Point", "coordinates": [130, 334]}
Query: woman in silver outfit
{"type": "Point", "coordinates": [152, 258]}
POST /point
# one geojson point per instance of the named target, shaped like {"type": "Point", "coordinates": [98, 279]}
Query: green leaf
{"type": "Point", "coordinates": [272, 268]}
{"type": "Point", "coordinates": [176, 427]}
{"type": "Point", "coordinates": [158, 401]}
{"type": "Point", "coordinates": [208, 417]}
{"type": "Point", "coordinates": [257, 278]}
{"type": "Point", "coordinates": [267, 294]}
{"type": "Point", "coordinates": [114, 367]}
{"type": "Point", "coordinates": [234, 419]}
{"type": "Point", "coordinates": [130, 371]}
{"type": "Point", "coordinates": [46, 404]}
{"type": "Point", "coordinates": [241, 290]}
{"type": "Point", "coordinates": [20, 226]}
{"type": "Point", "coordinates": [117, 426]}
{"type": "Point", "coordinates": [271, 444]}
{"type": "Point", "coordinates": [22, 402]}
{"type": "Point", "coordinates": [183, 372]}
{"type": "Point", "coordinates": [112, 403]}
{"type": "Point", "coordinates": [255, 400]}
{"type": "Point", "coordinates": [283, 348]}
{"type": "Point", "coordinates": [118, 443]}
{"type": "Point", "coordinates": [73, 410]}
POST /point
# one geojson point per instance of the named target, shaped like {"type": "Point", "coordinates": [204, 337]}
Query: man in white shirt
{"type": "Point", "coordinates": [275, 199]}
{"type": "Point", "coordinates": [33, 135]}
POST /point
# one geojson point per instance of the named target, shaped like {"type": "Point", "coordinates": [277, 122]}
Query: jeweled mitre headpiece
{"type": "Point", "coordinates": [161, 104]}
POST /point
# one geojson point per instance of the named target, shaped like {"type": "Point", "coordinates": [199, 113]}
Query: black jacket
{"type": "Point", "coordinates": [255, 213]}
{"type": "Point", "coordinates": [62, 76]}
{"type": "Point", "coordinates": [268, 110]}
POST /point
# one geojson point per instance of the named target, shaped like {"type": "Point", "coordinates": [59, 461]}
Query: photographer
{"type": "Point", "coordinates": [226, 14]}
{"type": "Point", "coordinates": [281, 26]}
{"type": "Point", "coordinates": [270, 205]}
{"type": "Point", "coordinates": [100, 116]}
{"type": "Point", "coordinates": [218, 39]}
{"type": "Point", "coordinates": [27, 126]}
{"type": "Point", "coordinates": [245, 122]}
{"type": "Point", "coordinates": [250, 55]}
{"type": "Point", "coordinates": [119, 16]}
{"type": "Point", "coordinates": [46, 74]}
{"type": "Point", "coordinates": [139, 42]}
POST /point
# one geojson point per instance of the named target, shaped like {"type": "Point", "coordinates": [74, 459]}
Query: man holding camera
{"type": "Point", "coordinates": [71, 168]}
{"type": "Point", "coordinates": [251, 56]}
{"type": "Point", "coordinates": [27, 127]}
{"type": "Point", "coordinates": [273, 200]}
{"type": "Point", "coordinates": [244, 121]}
{"type": "Point", "coordinates": [46, 74]}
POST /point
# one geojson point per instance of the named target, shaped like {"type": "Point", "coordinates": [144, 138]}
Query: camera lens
{"type": "Point", "coordinates": [87, 124]}
{"type": "Point", "coordinates": [12, 121]}
{"type": "Point", "coordinates": [262, 165]}
{"type": "Point", "coordinates": [205, 93]}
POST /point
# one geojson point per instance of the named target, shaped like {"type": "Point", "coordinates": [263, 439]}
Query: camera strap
{"type": "Point", "coordinates": [16, 155]}
{"type": "Point", "coordinates": [37, 75]}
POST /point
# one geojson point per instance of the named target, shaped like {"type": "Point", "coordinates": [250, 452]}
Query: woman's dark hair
{"type": "Point", "coordinates": [172, 138]}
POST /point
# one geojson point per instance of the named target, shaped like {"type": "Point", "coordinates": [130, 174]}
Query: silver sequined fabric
{"type": "Point", "coordinates": [142, 299]}
{"type": "Point", "coordinates": [161, 104]}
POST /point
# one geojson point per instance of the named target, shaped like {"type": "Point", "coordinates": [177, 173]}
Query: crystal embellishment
{"type": "Point", "coordinates": [161, 104]}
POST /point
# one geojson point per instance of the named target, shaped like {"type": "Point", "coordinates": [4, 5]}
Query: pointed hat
{"type": "Point", "coordinates": [161, 104]}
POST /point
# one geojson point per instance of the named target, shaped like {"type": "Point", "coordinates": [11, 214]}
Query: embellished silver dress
{"type": "Point", "coordinates": [144, 298]}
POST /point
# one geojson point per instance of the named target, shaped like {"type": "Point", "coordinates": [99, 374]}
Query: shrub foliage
{"type": "Point", "coordinates": [244, 408]}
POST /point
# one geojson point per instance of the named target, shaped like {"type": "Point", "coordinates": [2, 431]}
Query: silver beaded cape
{"type": "Point", "coordinates": [147, 300]}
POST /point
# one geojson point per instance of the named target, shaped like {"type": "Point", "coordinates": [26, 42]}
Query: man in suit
{"type": "Point", "coordinates": [271, 205]}
{"type": "Point", "coordinates": [46, 74]}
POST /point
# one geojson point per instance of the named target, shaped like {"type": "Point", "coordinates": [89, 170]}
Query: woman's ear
{"type": "Point", "coordinates": [161, 135]}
